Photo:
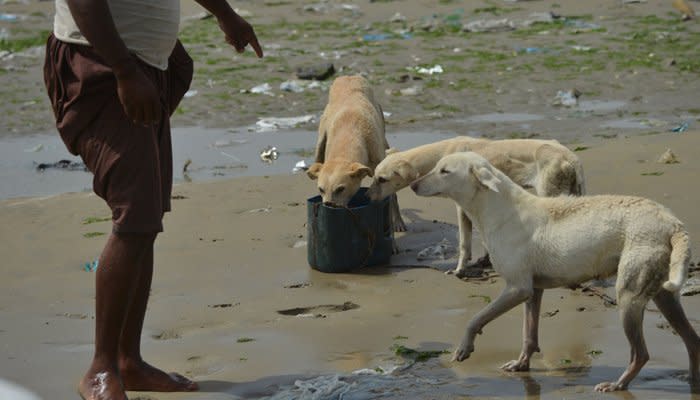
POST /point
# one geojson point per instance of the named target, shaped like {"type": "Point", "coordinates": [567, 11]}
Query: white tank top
{"type": "Point", "coordinates": [148, 28]}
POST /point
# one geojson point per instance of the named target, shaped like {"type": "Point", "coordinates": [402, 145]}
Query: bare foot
{"type": "Point", "coordinates": [142, 377]}
{"type": "Point", "coordinates": [101, 385]}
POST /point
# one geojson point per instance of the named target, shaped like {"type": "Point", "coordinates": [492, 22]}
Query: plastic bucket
{"type": "Point", "coordinates": [341, 239]}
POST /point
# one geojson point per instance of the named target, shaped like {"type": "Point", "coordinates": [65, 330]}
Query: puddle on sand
{"type": "Point", "coordinates": [214, 154]}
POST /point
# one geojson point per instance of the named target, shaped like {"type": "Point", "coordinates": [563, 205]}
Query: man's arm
{"type": "Point", "coordinates": [137, 94]}
{"type": "Point", "coordinates": [239, 33]}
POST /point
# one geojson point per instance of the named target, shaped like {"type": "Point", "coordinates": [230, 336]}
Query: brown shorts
{"type": "Point", "coordinates": [132, 165]}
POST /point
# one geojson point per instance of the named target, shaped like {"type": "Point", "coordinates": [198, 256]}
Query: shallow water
{"type": "Point", "coordinates": [214, 154]}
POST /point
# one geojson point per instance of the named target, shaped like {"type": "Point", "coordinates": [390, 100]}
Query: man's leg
{"type": "Point", "coordinates": [136, 374]}
{"type": "Point", "coordinates": [115, 281]}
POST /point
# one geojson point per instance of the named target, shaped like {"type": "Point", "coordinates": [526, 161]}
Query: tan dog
{"type": "Point", "coordinates": [351, 142]}
{"type": "Point", "coordinates": [540, 243]}
{"type": "Point", "coordinates": [543, 165]}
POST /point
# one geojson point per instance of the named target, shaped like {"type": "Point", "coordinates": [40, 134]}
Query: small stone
{"type": "Point", "coordinates": [318, 72]}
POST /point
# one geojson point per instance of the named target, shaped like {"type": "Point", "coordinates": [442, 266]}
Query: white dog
{"type": "Point", "coordinates": [544, 165]}
{"type": "Point", "coordinates": [539, 243]}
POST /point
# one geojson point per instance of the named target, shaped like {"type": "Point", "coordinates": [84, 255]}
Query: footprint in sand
{"type": "Point", "coordinates": [201, 366]}
{"type": "Point", "coordinates": [318, 311]}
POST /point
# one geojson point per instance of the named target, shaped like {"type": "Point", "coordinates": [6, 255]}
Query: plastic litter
{"type": "Point", "coordinates": [411, 91]}
{"type": "Point", "coordinates": [277, 123]}
{"type": "Point", "coordinates": [398, 17]}
{"type": "Point", "coordinates": [437, 69]}
{"type": "Point", "coordinates": [681, 128]}
{"type": "Point", "coordinates": [292, 86]}
{"type": "Point", "coordinates": [440, 251]}
{"type": "Point", "coordinates": [91, 266]}
{"type": "Point", "coordinates": [300, 166]}
{"type": "Point", "coordinates": [492, 25]}
{"type": "Point", "coordinates": [581, 48]}
{"type": "Point", "coordinates": [8, 17]}
{"type": "Point", "coordinates": [269, 154]}
{"type": "Point", "coordinates": [191, 93]}
{"type": "Point", "coordinates": [263, 88]}
{"type": "Point", "coordinates": [567, 98]}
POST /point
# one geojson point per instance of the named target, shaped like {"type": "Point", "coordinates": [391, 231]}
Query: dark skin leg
{"type": "Point", "coordinates": [118, 281]}
{"type": "Point", "coordinates": [136, 374]}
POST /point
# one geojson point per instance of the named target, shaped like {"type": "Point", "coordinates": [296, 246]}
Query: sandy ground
{"type": "Point", "coordinates": [225, 268]}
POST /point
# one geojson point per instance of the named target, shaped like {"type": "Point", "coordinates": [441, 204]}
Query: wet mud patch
{"type": "Point", "coordinates": [319, 311]}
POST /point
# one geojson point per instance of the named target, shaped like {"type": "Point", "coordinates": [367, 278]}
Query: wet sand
{"type": "Point", "coordinates": [226, 265]}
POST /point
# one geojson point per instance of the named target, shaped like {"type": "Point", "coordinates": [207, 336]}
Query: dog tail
{"type": "Point", "coordinates": [680, 261]}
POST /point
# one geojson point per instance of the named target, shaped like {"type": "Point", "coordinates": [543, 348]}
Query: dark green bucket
{"type": "Point", "coordinates": [341, 239]}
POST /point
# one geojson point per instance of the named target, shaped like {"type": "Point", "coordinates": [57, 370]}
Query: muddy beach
{"type": "Point", "coordinates": [234, 303]}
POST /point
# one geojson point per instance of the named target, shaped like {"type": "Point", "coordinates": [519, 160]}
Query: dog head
{"type": "Point", "coordinates": [338, 181]}
{"type": "Point", "coordinates": [390, 176]}
{"type": "Point", "coordinates": [459, 176]}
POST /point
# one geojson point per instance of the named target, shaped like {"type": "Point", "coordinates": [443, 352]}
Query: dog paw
{"type": "Point", "coordinates": [608, 387]}
{"type": "Point", "coordinates": [516, 366]}
{"type": "Point", "coordinates": [462, 353]}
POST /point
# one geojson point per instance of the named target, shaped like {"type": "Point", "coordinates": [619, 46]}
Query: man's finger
{"type": "Point", "coordinates": [256, 46]}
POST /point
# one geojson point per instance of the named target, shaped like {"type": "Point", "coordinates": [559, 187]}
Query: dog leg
{"type": "Point", "coordinates": [465, 244]}
{"type": "Point", "coordinates": [395, 211]}
{"type": "Point", "coordinates": [670, 307]}
{"type": "Point", "coordinates": [530, 334]}
{"type": "Point", "coordinates": [509, 298]}
{"type": "Point", "coordinates": [632, 313]}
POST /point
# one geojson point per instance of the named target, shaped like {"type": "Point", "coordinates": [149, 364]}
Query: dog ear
{"type": "Point", "coordinates": [313, 170]}
{"type": "Point", "coordinates": [406, 171]}
{"type": "Point", "coordinates": [390, 150]}
{"type": "Point", "coordinates": [358, 170]}
{"type": "Point", "coordinates": [485, 177]}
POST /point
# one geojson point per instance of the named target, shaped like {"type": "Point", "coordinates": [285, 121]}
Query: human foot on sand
{"type": "Point", "coordinates": [143, 377]}
{"type": "Point", "coordinates": [101, 385]}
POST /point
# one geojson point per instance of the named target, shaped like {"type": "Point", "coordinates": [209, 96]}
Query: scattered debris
{"type": "Point", "coordinates": [485, 298]}
{"type": "Point", "coordinates": [596, 291]}
{"type": "Point", "coordinates": [260, 210]}
{"type": "Point", "coordinates": [191, 93]}
{"type": "Point", "coordinates": [581, 26]}
{"type": "Point", "coordinates": [244, 340]}
{"type": "Point", "coordinates": [275, 123]}
{"type": "Point", "coordinates": [62, 164]}
{"type": "Point", "coordinates": [300, 166]}
{"type": "Point", "coordinates": [567, 98]}
{"type": "Point", "coordinates": [91, 266]}
{"type": "Point", "coordinates": [291, 86]}
{"type": "Point", "coordinates": [539, 18]}
{"type": "Point", "coordinates": [582, 48]}
{"type": "Point", "coordinates": [398, 17]}
{"type": "Point", "coordinates": [493, 25]}
{"type": "Point", "coordinates": [8, 17]}
{"type": "Point", "coordinates": [550, 314]}
{"type": "Point", "coordinates": [440, 251]}
{"type": "Point", "coordinates": [317, 72]}
{"type": "Point", "coordinates": [299, 244]}
{"type": "Point", "coordinates": [668, 158]}
{"type": "Point", "coordinates": [411, 91]}
{"type": "Point", "coordinates": [309, 311]}
{"type": "Point", "coordinates": [269, 154]}
{"type": "Point", "coordinates": [436, 69]}
{"type": "Point", "coordinates": [228, 142]}
{"type": "Point", "coordinates": [681, 128]}
{"type": "Point", "coordinates": [691, 287]}
{"type": "Point", "coordinates": [655, 173]}
{"type": "Point", "coordinates": [187, 164]}
{"type": "Point", "coordinates": [633, 1]}
{"type": "Point", "coordinates": [263, 88]}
